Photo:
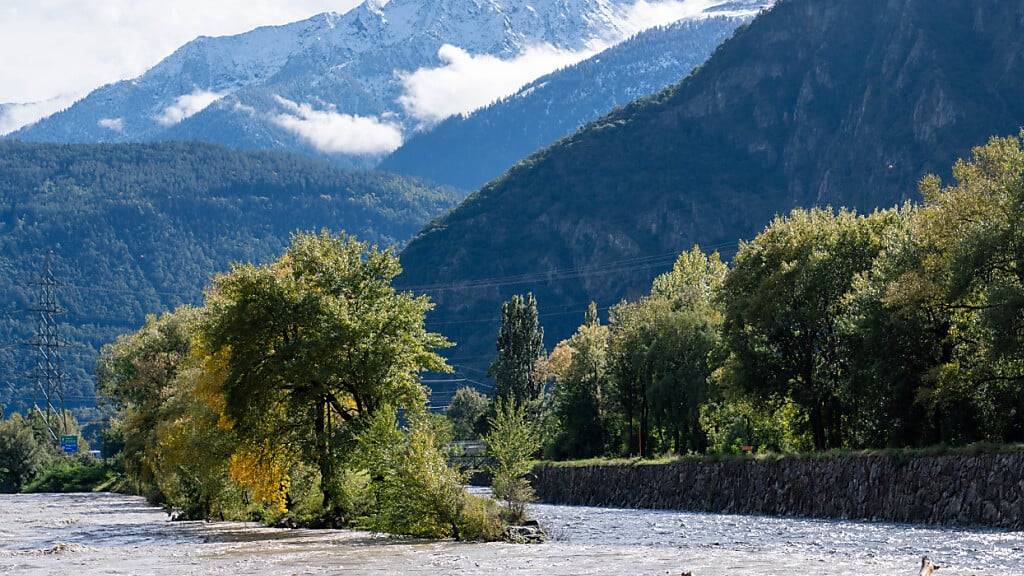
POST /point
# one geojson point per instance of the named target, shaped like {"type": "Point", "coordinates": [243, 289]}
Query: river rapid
{"type": "Point", "coordinates": [101, 534]}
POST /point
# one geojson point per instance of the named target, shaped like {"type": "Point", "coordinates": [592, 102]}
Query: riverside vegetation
{"type": "Point", "coordinates": [903, 328]}
{"type": "Point", "coordinates": [293, 394]}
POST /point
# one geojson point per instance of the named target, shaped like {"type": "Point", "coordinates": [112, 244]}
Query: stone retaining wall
{"type": "Point", "coordinates": [963, 490]}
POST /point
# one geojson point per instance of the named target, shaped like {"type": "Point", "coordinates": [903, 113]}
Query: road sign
{"type": "Point", "coordinates": [69, 444]}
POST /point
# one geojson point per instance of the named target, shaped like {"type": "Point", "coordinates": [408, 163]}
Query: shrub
{"type": "Point", "coordinates": [81, 474]}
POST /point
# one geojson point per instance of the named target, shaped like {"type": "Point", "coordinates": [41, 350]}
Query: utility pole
{"type": "Point", "coordinates": [49, 374]}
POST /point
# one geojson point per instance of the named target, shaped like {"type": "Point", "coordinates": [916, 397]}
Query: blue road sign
{"type": "Point", "coordinates": [69, 444]}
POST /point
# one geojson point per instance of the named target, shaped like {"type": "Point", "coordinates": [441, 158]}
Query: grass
{"type": "Point", "coordinates": [900, 453]}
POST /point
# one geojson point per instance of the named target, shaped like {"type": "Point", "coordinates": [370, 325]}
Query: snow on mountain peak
{"type": "Point", "coordinates": [385, 67]}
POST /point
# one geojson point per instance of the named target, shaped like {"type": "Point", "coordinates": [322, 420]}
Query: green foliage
{"type": "Point", "coordinates": [420, 494]}
{"type": "Point", "coordinates": [774, 427]}
{"type": "Point", "coordinates": [937, 322]}
{"type": "Point", "coordinates": [830, 331]}
{"type": "Point", "coordinates": [480, 520]}
{"type": "Point", "coordinates": [63, 474]}
{"type": "Point", "coordinates": [582, 394]}
{"type": "Point", "coordinates": [784, 300]}
{"type": "Point", "coordinates": [520, 348]}
{"type": "Point", "coordinates": [138, 228]}
{"type": "Point", "coordinates": [468, 413]}
{"type": "Point", "coordinates": [317, 342]}
{"type": "Point", "coordinates": [278, 400]}
{"type": "Point", "coordinates": [661, 356]}
{"type": "Point", "coordinates": [512, 443]}
{"type": "Point", "coordinates": [22, 454]}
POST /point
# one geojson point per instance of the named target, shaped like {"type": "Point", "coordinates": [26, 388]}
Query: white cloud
{"type": "Point", "coordinates": [643, 15]}
{"type": "Point", "coordinates": [335, 133]}
{"type": "Point", "coordinates": [70, 47]}
{"type": "Point", "coordinates": [465, 82]}
{"type": "Point", "coordinates": [15, 116]}
{"type": "Point", "coordinates": [187, 105]}
{"type": "Point", "coordinates": [115, 124]}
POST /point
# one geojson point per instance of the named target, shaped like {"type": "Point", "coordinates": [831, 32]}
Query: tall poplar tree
{"type": "Point", "coordinates": [520, 346]}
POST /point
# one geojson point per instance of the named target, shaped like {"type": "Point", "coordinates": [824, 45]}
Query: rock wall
{"type": "Point", "coordinates": [963, 490]}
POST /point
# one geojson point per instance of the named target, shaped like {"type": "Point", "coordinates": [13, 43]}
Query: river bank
{"type": "Point", "coordinates": [959, 489]}
{"type": "Point", "coordinates": [92, 534]}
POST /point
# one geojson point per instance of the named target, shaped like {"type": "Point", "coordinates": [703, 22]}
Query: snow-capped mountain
{"type": "Point", "coordinates": [467, 151]}
{"type": "Point", "coordinates": [355, 85]}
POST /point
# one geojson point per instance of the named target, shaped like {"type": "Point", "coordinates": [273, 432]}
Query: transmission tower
{"type": "Point", "coordinates": [49, 374]}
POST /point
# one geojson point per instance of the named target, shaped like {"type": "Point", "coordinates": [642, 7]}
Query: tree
{"type": "Point", "coordinates": [783, 301]}
{"type": "Point", "coordinates": [468, 413]}
{"type": "Point", "coordinates": [512, 443]}
{"type": "Point", "coordinates": [520, 348]}
{"type": "Point", "coordinates": [660, 355]}
{"type": "Point", "coordinates": [581, 391]}
{"type": "Point", "coordinates": [315, 343]}
{"type": "Point", "coordinates": [138, 374]}
{"type": "Point", "coordinates": [22, 455]}
{"type": "Point", "coordinates": [894, 333]}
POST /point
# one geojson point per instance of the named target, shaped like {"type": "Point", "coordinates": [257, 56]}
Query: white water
{"type": "Point", "coordinates": [93, 534]}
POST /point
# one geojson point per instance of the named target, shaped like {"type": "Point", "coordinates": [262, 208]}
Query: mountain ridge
{"type": "Point", "coordinates": [467, 151]}
{"type": "Point", "coordinates": [815, 102]}
{"type": "Point", "coordinates": [346, 68]}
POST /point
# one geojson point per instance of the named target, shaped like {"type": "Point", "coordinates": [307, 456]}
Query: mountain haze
{"type": "Point", "coordinates": [817, 102]}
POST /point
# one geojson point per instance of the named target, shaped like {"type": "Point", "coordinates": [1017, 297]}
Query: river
{"type": "Point", "coordinates": [94, 534]}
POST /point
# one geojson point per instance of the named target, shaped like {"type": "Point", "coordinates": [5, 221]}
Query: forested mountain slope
{"type": "Point", "coordinates": [136, 229]}
{"type": "Point", "coordinates": [827, 102]}
{"type": "Point", "coordinates": [468, 151]}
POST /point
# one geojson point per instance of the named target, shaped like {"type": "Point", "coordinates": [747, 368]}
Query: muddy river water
{"type": "Point", "coordinates": [100, 534]}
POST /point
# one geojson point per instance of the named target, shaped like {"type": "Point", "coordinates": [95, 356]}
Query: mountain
{"type": "Point", "coordinates": [816, 102]}
{"type": "Point", "coordinates": [338, 85]}
{"type": "Point", "coordinates": [468, 151]}
{"type": "Point", "coordinates": [139, 228]}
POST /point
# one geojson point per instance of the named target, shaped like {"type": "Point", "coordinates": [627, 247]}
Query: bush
{"type": "Point", "coordinates": [80, 474]}
{"type": "Point", "coordinates": [480, 520]}
{"type": "Point", "coordinates": [421, 495]}
{"type": "Point", "coordinates": [21, 454]}
{"type": "Point", "coordinates": [512, 443]}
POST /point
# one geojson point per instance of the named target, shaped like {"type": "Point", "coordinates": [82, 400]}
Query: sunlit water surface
{"type": "Point", "coordinates": [93, 534]}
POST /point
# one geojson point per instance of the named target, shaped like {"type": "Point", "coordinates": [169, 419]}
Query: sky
{"type": "Point", "coordinates": [65, 48]}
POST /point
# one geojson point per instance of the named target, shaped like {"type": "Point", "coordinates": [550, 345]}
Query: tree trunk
{"type": "Point", "coordinates": [324, 455]}
{"type": "Point", "coordinates": [818, 427]}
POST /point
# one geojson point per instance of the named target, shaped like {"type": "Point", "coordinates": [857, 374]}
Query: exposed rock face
{"type": "Point", "coordinates": [963, 490]}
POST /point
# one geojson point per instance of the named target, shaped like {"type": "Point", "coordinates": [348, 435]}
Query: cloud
{"type": "Point", "coordinates": [15, 116]}
{"type": "Point", "coordinates": [643, 15]}
{"type": "Point", "coordinates": [335, 133]}
{"type": "Point", "coordinates": [466, 82]}
{"type": "Point", "coordinates": [187, 105]}
{"type": "Point", "coordinates": [71, 47]}
{"type": "Point", "coordinates": [115, 124]}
